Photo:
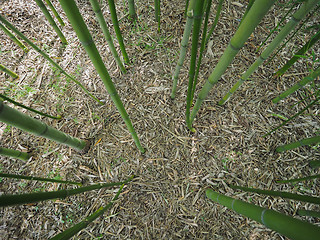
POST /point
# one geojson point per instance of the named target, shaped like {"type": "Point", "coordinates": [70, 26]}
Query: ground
{"type": "Point", "coordinates": [167, 199]}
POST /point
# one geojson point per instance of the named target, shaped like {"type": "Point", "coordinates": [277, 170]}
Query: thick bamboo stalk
{"type": "Point", "coordinates": [115, 22]}
{"type": "Point", "coordinates": [183, 49]}
{"type": "Point", "coordinates": [254, 16]}
{"type": "Point", "coordinates": [28, 108]}
{"type": "Point", "coordinates": [293, 196]}
{"type": "Point", "coordinates": [132, 10]}
{"type": "Point", "coordinates": [18, 199]}
{"type": "Point", "coordinates": [295, 19]}
{"type": "Point", "coordinates": [55, 13]}
{"type": "Point", "coordinates": [78, 24]}
{"type": "Point", "coordinates": [299, 85]}
{"type": "Point", "coordinates": [299, 53]}
{"type": "Point", "coordinates": [84, 223]}
{"type": "Point", "coordinates": [6, 175]}
{"type": "Point", "coordinates": [294, 229]}
{"type": "Point", "coordinates": [303, 142]}
{"type": "Point", "coordinates": [96, 8]}
{"type": "Point", "coordinates": [46, 56]}
{"type": "Point", "coordinates": [157, 12]}
{"type": "Point", "coordinates": [51, 21]}
{"type": "Point", "coordinates": [14, 153]}
{"type": "Point", "coordinates": [308, 213]}
{"type": "Point", "coordinates": [9, 72]}
{"type": "Point", "coordinates": [247, 9]}
{"type": "Point", "coordinates": [13, 38]}
{"type": "Point", "coordinates": [299, 179]}
{"type": "Point", "coordinates": [22, 121]}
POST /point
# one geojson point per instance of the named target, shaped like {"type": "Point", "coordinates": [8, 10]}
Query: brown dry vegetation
{"type": "Point", "coordinates": [167, 199]}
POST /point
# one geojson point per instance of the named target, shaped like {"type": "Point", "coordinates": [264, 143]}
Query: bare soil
{"type": "Point", "coordinates": [166, 200]}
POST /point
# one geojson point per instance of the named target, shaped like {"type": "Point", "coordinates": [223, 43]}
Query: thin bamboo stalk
{"type": "Point", "coordinates": [215, 22]}
{"type": "Point", "coordinates": [7, 175]}
{"type": "Point", "coordinates": [132, 10]}
{"type": "Point", "coordinates": [9, 72]}
{"type": "Point", "coordinates": [51, 21]}
{"type": "Point", "coordinates": [254, 16]}
{"type": "Point", "coordinates": [84, 223]}
{"type": "Point", "coordinates": [308, 213]}
{"type": "Point", "coordinates": [299, 85]}
{"type": "Point", "coordinates": [295, 19]}
{"type": "Point", "coordinates": [157, 13]}
{"type": "Point", "coordinates": [186, 8]}
{"type": "Point", "coordinates": [293, 196]}
{"type": "Point", "coordinates": [294, 229]}
{"type": "Point", "coordinates": [299, 53]}
{"type": "Point", "coordinates": [115, 22]}
{"type": "Point", "coordinates": [22, 121]}
{"type": "Point", "coordinates": [303, 142]}
{"type": "Point", "coordinates": [46, 56]}
{"type": "Point", "coordinates": [197, 20]}
{"type": "Point", "coordinates": [18, 199]}
{"type": "Point", "coordinates": [55, 13]}
{"type": "Point", "coordinates": [16, 40]}
{"type": "Point", "coordinates": [14, 153]}
{"type": "Point", "coordinates": [183, 49]}
{"type": "Point", "coordinates": [78, 24]}
{"type": "Point", "coordinates": [28, 108]}
{"type": "Point", "coordinates": [299, 179]}
{"type": "Point", "coordinates": [96, 8]}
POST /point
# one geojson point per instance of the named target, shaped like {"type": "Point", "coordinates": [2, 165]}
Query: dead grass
{"type": "Point", "coordinates": [167, 199]}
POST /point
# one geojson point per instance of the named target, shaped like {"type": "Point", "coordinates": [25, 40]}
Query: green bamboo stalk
{"type": "Point", "coordinates": [293, 196]}
{"type": "Point", "coordinates": [55, 13]}
{"type": "Point", "coordinates": [186, 9]}
{"type": "Point", "coordinates": [297, 16]}
{"type": "Point", "coordinates": [157, 12]}
{"type": "Point", "coordinates": [132, 10]}
{"type": "Point", "coordinates": [299, 53]}
{"type": "Point", "coordinates": [303, 142]}
{"type": "Point", "coordinates": [299, 179]}
{"type": "Point", "coordinates": [314, 164]}
{"type": "Point", "coordinates": [28, 108]}
{"type": "Point", "coordinates": [294, 229]}
{"type": "Point", "coordinates": [96, 8]}
{"type": "Point", "coordinates": [22, 121]}
{"type": "Point", "coordinates": [51, 21]}
{"type": "Point", "coordinates": [183, 49]}
{"type": "Point", "coordinates": [46, 56]}
{"type": "Point", "coordinates": [215, 22]}
{"type": "Point", "coordinates": [85, 38]}
{"type": "Point", "coordinates": [299, 85]}
{"type": "Point", "coordinates": [247, 9]}
{"type": "Point", "coordinates": [84, 223]}
{"type": "Point", "coordinates": [16, 40]}
{"type": "Point", "coordinates": [6, 175]}
{"type": "Point", "coordinates": [14, 153]}
{"type": "Point", "coordinates": [115, 22]}
{"type": "Point", "coordinates": [254, 16]}
{"type": "Point", "coordinates": [308, 213]}
{"type": "Point", "coordinates": [9, 72]}
{"type": "Point", "coordinates": [18, 199]}
{"type": "Point", "coordinates": [197, 20]}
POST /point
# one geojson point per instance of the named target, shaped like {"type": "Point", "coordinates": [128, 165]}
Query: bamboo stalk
{"type": "Point", "coordinates": [84, 223]}
{"type": "Point", "coordinates": [55, 13]}
{"type": "Point", "coordinates": [14, 153]}
{"type": "Point", "coordinates": [85, 38]}
{"type": "Point", "coordinates": [247, 10]}
{"type": "Point", "coordinates": [254, 16]}
{"type": "Point", "coordinates": [115, 22]}
{"type": "Point", "coordinates": [18, 199]}
{"type": "Point", "coordinates": [299, 53]}
{"type": "Point", "coordinates": [13, 38]}
{"type": "Point", "coordinates": [295, 19]}
{"type": "Point", "coordinates": [293, 196]}
{"type": "Point", "coordinates": [303, 142]}
{"type": "Point", "coordinates": [132, 10]}
{"type": "Point", "coordinates": [46, 56]}
{"type": "Point", "coordinates": [157, 13]}
{"type": "Point", "coordinates": [215, 22]}
{"type": "Point", "coordinates": [28, 108]}
{"type": "Point", "coordinates": [294, 229]}
{"type": "Point", "coordinates": [299, 179]}
{"type": "Point", "coordinates": [22, 121]}
{"type": "Point", "coordinates": [96, 8]}
{"type": "Point", "coordinates": [51, 21]}
{"type": "Point", "coordinates": [6, 175]}
{"type": "Point", "coordinates": [308, 213]}
{"type": "Point", "coordinates": [314, 164]}
{"type": "Point", "coordinates": [183, 49]}
{"type": "Point", "coordinates": [299, 85]}
{"type": "Point", "coordinates": [9, 72]}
